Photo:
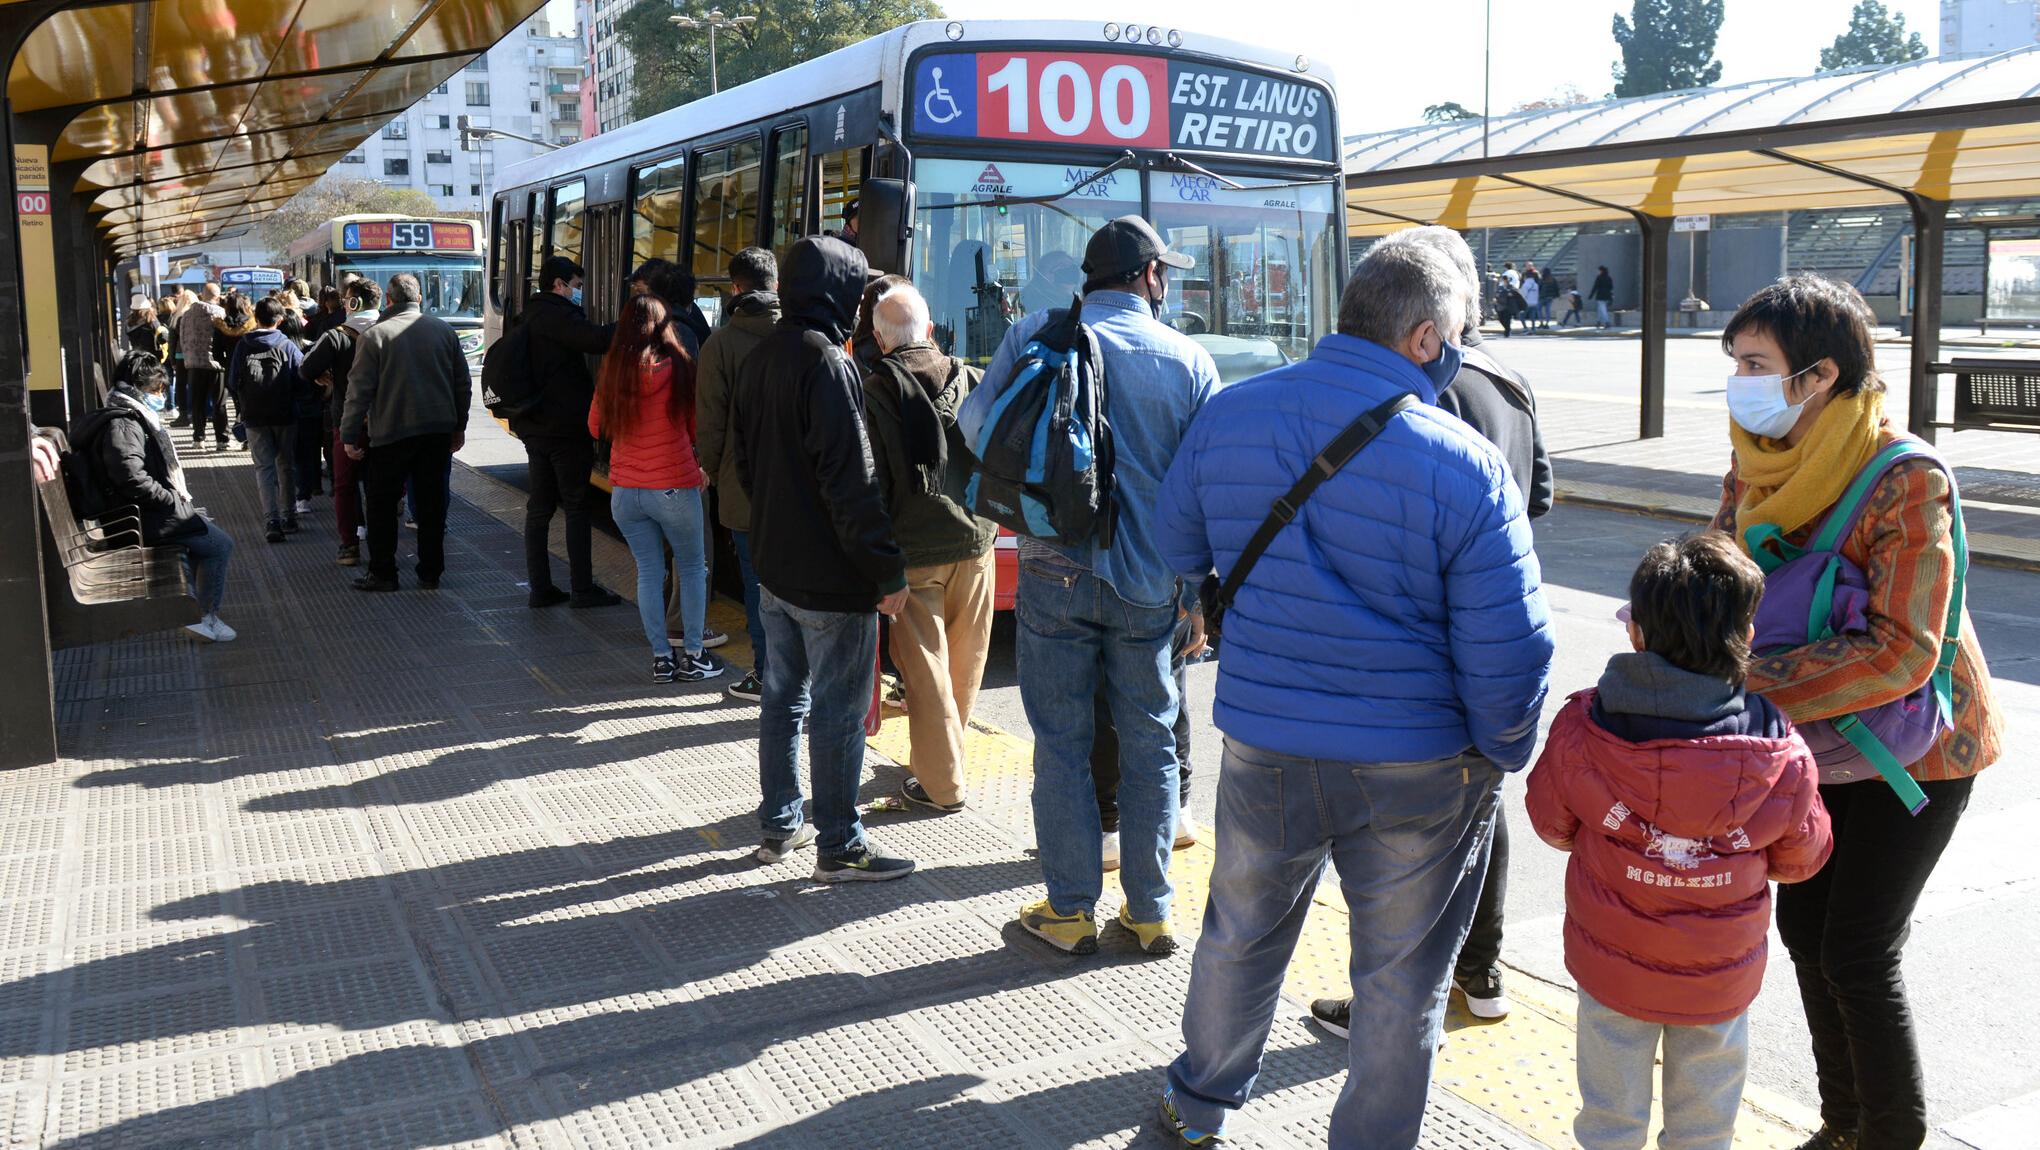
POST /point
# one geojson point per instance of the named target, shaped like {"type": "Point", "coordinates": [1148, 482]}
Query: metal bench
{"type": "Point", "coordinates": [1994, 394]}
{"type": "Point", "coordinates": [101, 583]}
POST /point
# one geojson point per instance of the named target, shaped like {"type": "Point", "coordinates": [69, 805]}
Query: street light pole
{"type": "Point", "coordinates": [714, 22]}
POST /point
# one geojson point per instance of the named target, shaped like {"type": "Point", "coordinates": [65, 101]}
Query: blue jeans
{"type": "Point", "coordinates": [275, 452]}
{"type": "Point", "coordinates": [820, 678]}
{"type": "Point", "coordinates": [752, 623]}
{"type": "Point", "coordinates": [650, 521]}
{"type": "Point", "coordinates": [1075, 633]}
{"type": "Point", "coordinates": [205, 564]}
{"type": "Point", "coordinates": [1411, 844]}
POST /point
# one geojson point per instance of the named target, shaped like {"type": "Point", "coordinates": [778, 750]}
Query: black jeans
{"type": "Point", "coordinates": [312, 445]}
{"type": "Point", "coordinates": [1483, 945]}
{"type": "Point", "coordinates": [1105, 737]}
{"type": "Point", "coordinates": [421, 461]}
{"type": "Point", "coordinates": [208, 402]}
{"type": "Point", "coordinates": [1845, 928]}
{"type": "Point", "coordinates": [559, 482]}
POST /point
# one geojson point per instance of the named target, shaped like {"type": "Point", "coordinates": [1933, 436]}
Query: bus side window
{"type": "Point", "coordinates": [534, 222]}
{"type": "Point", "coordinates": [569, 203]}
{"type": "Point", "coordinates": [656, 209]}
{"type": "Point", "coordinates": [497, 275]}
{"type": "Point", "coordinates": [842, 174]}
{"type": "Point", "coordinates": [789, 187]}
{"type": "Point", "coordinates": [725, 206]}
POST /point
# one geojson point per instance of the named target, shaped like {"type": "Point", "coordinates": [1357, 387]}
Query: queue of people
{"type": "Point", "coordinates": [1387, 646]}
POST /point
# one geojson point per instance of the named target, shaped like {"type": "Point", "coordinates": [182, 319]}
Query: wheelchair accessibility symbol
{"type": "Point", "coordinates": [937, 92]}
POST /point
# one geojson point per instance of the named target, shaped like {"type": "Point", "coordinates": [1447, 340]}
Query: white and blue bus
{"type": "Point", "coordinates": [984, 153]}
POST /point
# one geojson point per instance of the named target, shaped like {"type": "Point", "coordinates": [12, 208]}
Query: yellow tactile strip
{"type": "Point", "coordinates": [1520, 1069]}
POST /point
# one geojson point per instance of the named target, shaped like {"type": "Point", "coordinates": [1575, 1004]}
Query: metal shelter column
{"type": "Point", "coordinates": [1930, 231]}
{"type": "Point", "coordinates": [1657, 250]}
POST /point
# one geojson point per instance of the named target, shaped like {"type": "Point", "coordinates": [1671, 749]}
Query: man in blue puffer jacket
{"type": "Point", "coordinates": [1383, 665]}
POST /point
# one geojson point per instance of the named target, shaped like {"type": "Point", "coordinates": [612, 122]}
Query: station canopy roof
{"type": "Point", "coordinates": [199, 117]}
{"type": "Point", "coordinates": [1946, 128]}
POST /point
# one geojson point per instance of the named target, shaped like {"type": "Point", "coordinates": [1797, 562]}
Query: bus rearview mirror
{"type": "Point", "coordinates": [885, 221]}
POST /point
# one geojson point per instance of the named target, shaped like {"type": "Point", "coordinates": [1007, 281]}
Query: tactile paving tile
{"type": "Point", "coordinates": [354, 997]}
{"type": "Point", "coordinates": [25, 986]}
{"type": "Point", "coordinates": [120, 909]}
{"type": "Point", "coordinates": [146, 861]}
{"type": "Point", "coordinates": [325, 934]}
{"type": "Point", "coordinates": [277, 842]}
{"type": "Point", "coordinates": [472, 816]}
{"type": "Point", "coordinates": [611, 1029]}
{"type": "Point", "coordinates": [948, 944]}
{"type": "Point", "coordinates": [309, 884]}
{"type": "Point", "coordinates": [895, 1120]}
{"type": "Point", "coordinates": [855, 908]}
{"type": "Point", "coordinates": [118, 826]}
{"type": "Point", "coordinates": [785, 994]}
{"type": "Point", "coordinates": [322, 1077]}
{"type": "Point", "coordinates": [510, 861]}
{"type": "Point", "coordinates": [461, 1123]}
{"type": "Point", "coordinates": [727, 926]}
{"type": "Point", "coordinates": [1107, 1099]}
{"type": "Point", "coordinates": [997, 1030]}
{"type": "Point", "coordinates": [115, 1032]}
{"type": "Point", "coordinates": [1140, 994]}
{"type": "Point", "coordinates": [600, 801]}
{"type": "Point", "coordinates": [676, 1097]}
{"type": "Point", "coordinates": [808, 1073]}
{"type": "Point", "coordinates": [26, 799]}
{"type": "Point", "coordinates": [32, 835]}
{"type": "Point", "coordinates": [539, 963]}
{"type": "Point", "coordinates": [169, 1102]}
{"type": "Point", "coordinates": [21, 1117]}
{"type": "Point", "coordinates": [28, 923]}
{"type": "Point", "coordinates": [162, 960]}
{"type": "Point", "coordinates": [25, 876]}
{"type": "Point", "coordinates": [938, 839]}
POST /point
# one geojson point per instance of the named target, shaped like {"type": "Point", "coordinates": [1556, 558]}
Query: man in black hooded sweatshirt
{"type": "Point", "coordinates": [827, 564]}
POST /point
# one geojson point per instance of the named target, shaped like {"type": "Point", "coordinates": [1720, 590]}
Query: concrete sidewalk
{"type": "Point", "coordinates": [434, 869]}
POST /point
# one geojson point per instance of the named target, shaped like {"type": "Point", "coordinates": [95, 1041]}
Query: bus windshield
{"type": "Point", "coordinates": [453, 288]}
{"type": "Point", "coordinates": [1262, 291]}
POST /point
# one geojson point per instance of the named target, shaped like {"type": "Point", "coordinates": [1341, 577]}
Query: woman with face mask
{"type": "Point", "coordinates": [130, 453]}
{"type": "Point", "coordinates": [1806, 418]}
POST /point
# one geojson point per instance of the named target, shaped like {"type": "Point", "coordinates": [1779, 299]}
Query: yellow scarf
{"type": "Point", "coordinates": [1792, 486]}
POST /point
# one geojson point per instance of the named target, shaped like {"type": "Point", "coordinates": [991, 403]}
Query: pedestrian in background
{"type": "Point", "coordinates": [1681, 796]}
{"type": "Point", "coordinates": [644, 405]}
{"type": "Point", "coordinates": [1105, 612]}
{"type": "Point", "coordinates": [747, 319]}
{"type": "Point", "coordinates": [557, 447]}
{"type": "Point", "coordinates": [195, 341]}
{"type": "Point", "coordinates": [262, 373]}
{"type": "Point", "coordinates": [1382, 668]}
{"type": "Point", "coordinates": [327, 365]}
{"type": "Point", "coordinates": [826, 560]}
{"type": "Point", "coordinates": [408, 394]}
{"type": "Point", "coordinates": [943, 632]}
{"type": "Point", "coordinates": [1603, 294]}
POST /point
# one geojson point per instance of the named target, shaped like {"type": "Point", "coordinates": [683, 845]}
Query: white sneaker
{"type": "Point", "coordinates": [361, 534]}
{"type": "Point", "coordinates": [1111, 850]}
{"type": "Point", "coordinates": [212, 630]}
{"type": "Point", "coordinates": [1187, 831]}
{"type": "Point", "coordinates": [304, 507]}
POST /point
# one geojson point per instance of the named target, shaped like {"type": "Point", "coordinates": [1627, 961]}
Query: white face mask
{"type": "Point", "coordinates": [1757, 403]}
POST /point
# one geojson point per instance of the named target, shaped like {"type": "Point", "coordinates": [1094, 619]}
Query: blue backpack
{"type": "Point", "coordinates": [1044, 454]}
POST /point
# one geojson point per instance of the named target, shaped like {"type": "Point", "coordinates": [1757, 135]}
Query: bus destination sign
{"type": "Point", "coordinates": [406, 236]}
{"type": "Point", "coordinates": [1126, 101]}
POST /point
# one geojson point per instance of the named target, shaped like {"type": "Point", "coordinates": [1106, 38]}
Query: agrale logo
{"type": "Point", "coordinates": [991, 182]}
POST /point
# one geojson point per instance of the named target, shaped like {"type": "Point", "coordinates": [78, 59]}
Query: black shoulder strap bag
{"type": "Point", "coordinates": [1336, 454]}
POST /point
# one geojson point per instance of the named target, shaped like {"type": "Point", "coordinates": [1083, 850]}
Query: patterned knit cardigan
{"type": "Point", "coordinates": [1903, 544]}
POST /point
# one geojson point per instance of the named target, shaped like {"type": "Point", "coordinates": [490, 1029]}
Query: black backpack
{"type": "Point", "coordinates": [509, 387]}
{"type": "Point", "coordinates": [1045, 452]}
{"type": "Point", "coordinates": [263, 387]}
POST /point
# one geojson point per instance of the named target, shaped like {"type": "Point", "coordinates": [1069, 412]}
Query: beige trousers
{"type": "Point", "coordinates": [939, 642]}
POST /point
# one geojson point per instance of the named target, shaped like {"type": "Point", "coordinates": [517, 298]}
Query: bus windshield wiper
{"type": "Point", "coordinates": [1125, 160]}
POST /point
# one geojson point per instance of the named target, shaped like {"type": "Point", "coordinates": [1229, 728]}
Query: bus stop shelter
{"type": "Point", "coordinates": [140, 126]}
{"type": "Point", "coordinates": [1926, 134]}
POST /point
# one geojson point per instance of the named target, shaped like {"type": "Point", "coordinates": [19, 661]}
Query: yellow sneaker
{"type": "Point", "coordinates": [1155, 937]}
{"type": "Point", "coordinates": [1075, 933]}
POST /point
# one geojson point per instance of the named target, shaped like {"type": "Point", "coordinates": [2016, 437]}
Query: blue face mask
{"type": "Point", "coordinates": [156, 402]}
{"type": "Point", "coordinates": [1443, 370]}
{"type": "Point", "coordinates": [1759, 403]}
{"type": "Point", "coordinates": [576, 297]}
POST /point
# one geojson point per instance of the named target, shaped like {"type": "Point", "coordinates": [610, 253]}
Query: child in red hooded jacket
{"type": "Point", "coordinates": [1681, 797]}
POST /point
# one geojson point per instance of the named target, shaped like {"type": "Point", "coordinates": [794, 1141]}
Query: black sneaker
{"type": "Point", "coordinates": [1485, 997]}
{"type": "Point", "coordinates": [915, 793]}
{"type": "Point", "coordinates": [695, 668]}
{"type": "Point", "coordinates": [546, 597]}
{"type": "Point", "coordinates": [773, 850]}
{"type": "Point", "coordinates": [1829, 1138]}
{"type": "Point", "coordinates": [594, 597]}
{"type": "Point", "coordinates": [1334, 1014]}
{"type": "Point", "coordinates": [712, 638]}
{"type": "Point", "coordinates": [749, 688]}
{"type": "Point", "coordinates": [275, 533]}
{"type": "Point", "coordinates": [663, 669]}
{"type": "Point", "coordinates": [290, 526]}
{"type": "Point", "coordinates": [366, 582]}
{"type": "Point", "coordinates": [862, 866]}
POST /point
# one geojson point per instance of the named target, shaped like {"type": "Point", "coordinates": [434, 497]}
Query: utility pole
{"type": "Point", "coordinates": [714, 22]}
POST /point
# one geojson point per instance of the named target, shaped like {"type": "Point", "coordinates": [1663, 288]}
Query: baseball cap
{"type": "Point", "coordinates": [1126, 245]}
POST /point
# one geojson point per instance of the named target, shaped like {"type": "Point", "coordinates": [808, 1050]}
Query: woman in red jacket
{"type": "Point", "coordinates": [644, 404]}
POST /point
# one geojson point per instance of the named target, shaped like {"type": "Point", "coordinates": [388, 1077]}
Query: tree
{"type": "Point", "coordinates": [1876, 35]}
{"type": "Point", "coordinates": [337, 196]}
{"type": "Point", "coordinates": [1448, 111]}
{"type": "Point", "coordinates": [1667, 45]}
{"type": "Point", "coordinates": [1567, 96]}
{"type": "Point", "coordinates": [672, 65]}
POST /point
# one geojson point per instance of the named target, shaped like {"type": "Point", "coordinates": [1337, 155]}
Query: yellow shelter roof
{"type": "Point", "coordinates": [200, 116]}
{"type": "Point", "coordinates": [1947, 128]}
